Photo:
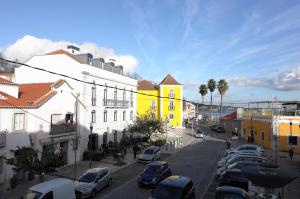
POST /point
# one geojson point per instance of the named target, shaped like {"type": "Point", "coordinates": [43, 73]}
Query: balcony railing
{"type": "Point", "coordinates": [152, 107]}
{"type": "Point", "coordinates": [58, 129]}
{"type": "Point", "coordinates": [2, 139]}
{"type": "Point", "coordinates": [171, 108]}
{"type": "Point", "coordinates": [171, 95]}
{"type": "Point", "coordinates": [116, 103]}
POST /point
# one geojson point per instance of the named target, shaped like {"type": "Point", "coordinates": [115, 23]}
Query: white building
{"type": "Point", "coordinates": [110, 107]}
{"type": "Point", "coordinates": [189, 110]}
{"type": "Point", "coordinates": [41, 115]}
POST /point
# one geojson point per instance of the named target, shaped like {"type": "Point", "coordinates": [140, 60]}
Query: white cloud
{"type": "Point", "coordinates": [28, 46]}
{"type": "Point", "coordinates": [285, 81]}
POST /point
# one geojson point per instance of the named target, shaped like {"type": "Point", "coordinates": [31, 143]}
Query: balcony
{"type": "Point", "coordinates": [111, 103]}
{"type": "Point", "coordinates": [171, 95]}
{"type": "Point", "coordinates": [152, 107]}
{"type": "Point", "coordinates": [59, 129]}
{"type": "Point", "coordinates": [171, 108]}
{"type": "Point", "coordinates": [2, 139]}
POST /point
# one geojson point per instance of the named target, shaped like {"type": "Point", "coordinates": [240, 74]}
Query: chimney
{"type": "Point", "coordinates": [73, 49]}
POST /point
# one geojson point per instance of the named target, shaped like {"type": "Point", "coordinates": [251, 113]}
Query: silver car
{"type": "Point", "coordinates": [150, 154]}
{"type": "Point", "coordinates": [92, 181]}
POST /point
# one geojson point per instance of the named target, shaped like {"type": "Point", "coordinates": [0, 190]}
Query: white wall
{"type": "Point", "coordinates": [37, 124]}
{"type": "Point", "coordinates": [68, 66]}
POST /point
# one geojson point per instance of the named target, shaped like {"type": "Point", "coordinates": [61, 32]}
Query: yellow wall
{"type": "Point", "coordinates": [165, 112]}
{"type": "Point", "coordinates": [283, 133]}
{"type": "Point", "coordinates": [259, 127]}
{"type": "Point", "coordinates": [144, 102]}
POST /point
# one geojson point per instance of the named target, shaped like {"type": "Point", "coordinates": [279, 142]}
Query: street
{"type": "Point", "coordinates": [197, 161]}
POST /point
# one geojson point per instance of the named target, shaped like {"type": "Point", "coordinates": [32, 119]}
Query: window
{"type": "Point", "coordinates": [93, 96]}
{"type": "Point", "coordinates": [152, 104]}
{"type": "Point", "coordinates": [124, 115]}
{"type": "Point", "coordinates": [262, 136]}
{"type": "Point", "coordinates": [171, 94]}
{"type": "Point", "coordinates": [19, 121]}
{"type": "Point", "coordinates": [69, 118]}
{"type": "Point", "coordinates": [115, 97]}
{"type": "Point", "coordinates": [105, 116]}
{"type": "Point", "coordinates": [93, 116]}
{"type": "Point", "coordinates": [131, 99]}
{"type": "Point", "coordinates": [115, 116]}
{"type": "Point", "coordinates": [293, 140]}
{"type": "Point", "coordinates": [49, 195]}
{"type": "Point", "coordinates": [131, 115]}
{"type": "Point", "coordinates": [105, 97]}
{"type": "Point", "coordinates": [124, 97]}
{"type": "Point", "coordinates": [171, 116]}
{"type": "Point", "coordinates": [152, 115]}
{"type": "Point", "coordinates": [171, 105]}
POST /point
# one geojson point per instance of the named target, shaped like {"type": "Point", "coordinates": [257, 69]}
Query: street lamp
{"type": "Point", "coordinates": [251, 133]}
{"type": "Point", "coordinates": [90, 141]}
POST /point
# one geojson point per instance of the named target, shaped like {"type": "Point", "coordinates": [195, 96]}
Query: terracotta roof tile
{"type": "Point", "coordinates": [169, 80]}
{"type": "Point", "coordinates": [30, 95]}
{"type": "Point", "coordinates": [61, 51]}
{"type": "Point", "coordinates": [5, 81]}
{"type": "Point", "coordinates": [146, 85]}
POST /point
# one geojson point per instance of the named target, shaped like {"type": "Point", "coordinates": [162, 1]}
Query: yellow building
{"type": "Point", "coordinates": [272, 131]}
{"type": "Point", "coordinates": [163, 100]}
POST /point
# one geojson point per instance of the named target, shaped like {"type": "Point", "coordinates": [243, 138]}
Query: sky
{"type": "Point", "coordinates": [253, 44]}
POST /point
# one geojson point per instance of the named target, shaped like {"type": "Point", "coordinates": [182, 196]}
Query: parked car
{"type": "Point", "coordinates": [240, 153]}
{"type": "Point", "coordinates": [242, 158]}
{"type": "Point", "coordinates": [248, 147]}
{"type": "Point", "coordinates": [234, 178]}
{"type": "Point", "coordinates": [245, 152]}
{"type": "Point", "coordinates": [56, 189]}
{"type": "Point", "coordinates": [150, 154]}
{"type": "Point", "coordinates": [154, 173]}
{"type": "Point", "coordinates": [225, 192]}
{"type": "Point", "coordinates": [174, 187]}
{"type": "Point", "coordinates": [213, 127]}
{"type": "Point", "coordinates": [236, 165]}
{"type": "Point", "coordinates": [199, 133]}
{"type": "Point", "coordinates": [92, 181]}
{"type": "Point", "coordinates": [220, 129]}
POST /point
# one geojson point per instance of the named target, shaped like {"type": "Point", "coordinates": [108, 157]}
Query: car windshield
{"type": "Point", "coordinates": [165, 192]}
{"type": "Point", "coordinates": [152, 169]}
{"type": "Point", "coordinates": [32, 195]}
{"type": "Point", "coordinates": [148, 151]}
{"type": "Point", "coordinates": [89, 177]}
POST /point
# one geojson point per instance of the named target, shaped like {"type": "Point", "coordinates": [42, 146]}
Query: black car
{"type": "Point", "coordinates": [213, 127]}
{"type": "Point", "coordinates": [154, 173]}
{"type": "Point", "coordinates": [234, 178]}
{"type": "Point", "coordinates": [225, 192]}
{"type": "Point", "coordinates": [174, 187]}
{"type": "Point", "coordinates": [220, 129]}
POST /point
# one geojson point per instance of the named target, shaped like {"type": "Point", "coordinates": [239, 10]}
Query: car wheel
{"type": "Point", "coordinates": [93, 193]}
{"type": "Point", "coordinates": [109, 182]}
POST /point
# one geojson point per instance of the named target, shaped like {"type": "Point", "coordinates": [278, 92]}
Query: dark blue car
{"type": "Point", "coordinates": [154, 173]}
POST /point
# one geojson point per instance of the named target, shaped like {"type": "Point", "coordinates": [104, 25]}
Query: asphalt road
{"type": "Point", "coordinates": [197, 161]}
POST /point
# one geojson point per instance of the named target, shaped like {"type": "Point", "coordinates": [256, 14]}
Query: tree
{"type": "Point", "coordinates": [27, 158]}
{"type": "Point", "coordinates": [145, 125]}
{"type": "Point", "coordinates": [203, 91]}
{"type": "Point", "coordinates": [211, 84]}
{"type": "Point", "coordinates": [222, 88]}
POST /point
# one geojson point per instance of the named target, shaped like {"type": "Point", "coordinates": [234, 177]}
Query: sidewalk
{"type": "Point", "coordinates": [68, 172]}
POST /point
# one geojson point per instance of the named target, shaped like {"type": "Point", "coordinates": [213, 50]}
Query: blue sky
{"type": "Point", "coordinates": [255, 45]}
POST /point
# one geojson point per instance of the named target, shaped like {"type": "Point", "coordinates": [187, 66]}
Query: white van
{"type": "Point", "coordinates": [59, 188]}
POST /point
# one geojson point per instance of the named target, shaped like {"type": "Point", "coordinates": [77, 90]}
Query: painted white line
{"type": "Point", "coordinates": [210, 182]}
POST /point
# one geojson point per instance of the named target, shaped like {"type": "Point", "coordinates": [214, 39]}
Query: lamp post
{"type": "Point", "coordinates": [90, 141]}
{"type": "Point", "coordinates": [251, 133]}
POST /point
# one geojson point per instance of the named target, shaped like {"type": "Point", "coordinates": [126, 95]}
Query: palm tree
{"type": "Point", "coordinates": [211, 85]}
{"type": "Point", "coordinates": [203, 91]}
{"type": "Point", "coordinates": [222, 87]}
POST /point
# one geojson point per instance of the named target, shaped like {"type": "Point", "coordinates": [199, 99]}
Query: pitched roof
{"type": "Point", "coordinates": [145, 85]}
{"type": "Point", "coordinates": [5, 81]}
{"type": "Point", "coordinates": [169, 80]}
{"type": "Point", "coordinates": [61, 51]}
{"type": "Point", "coordinates": [30, 95]}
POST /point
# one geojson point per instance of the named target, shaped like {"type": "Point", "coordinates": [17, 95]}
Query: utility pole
{"type": "Point", "coordinates": [76, 136]}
